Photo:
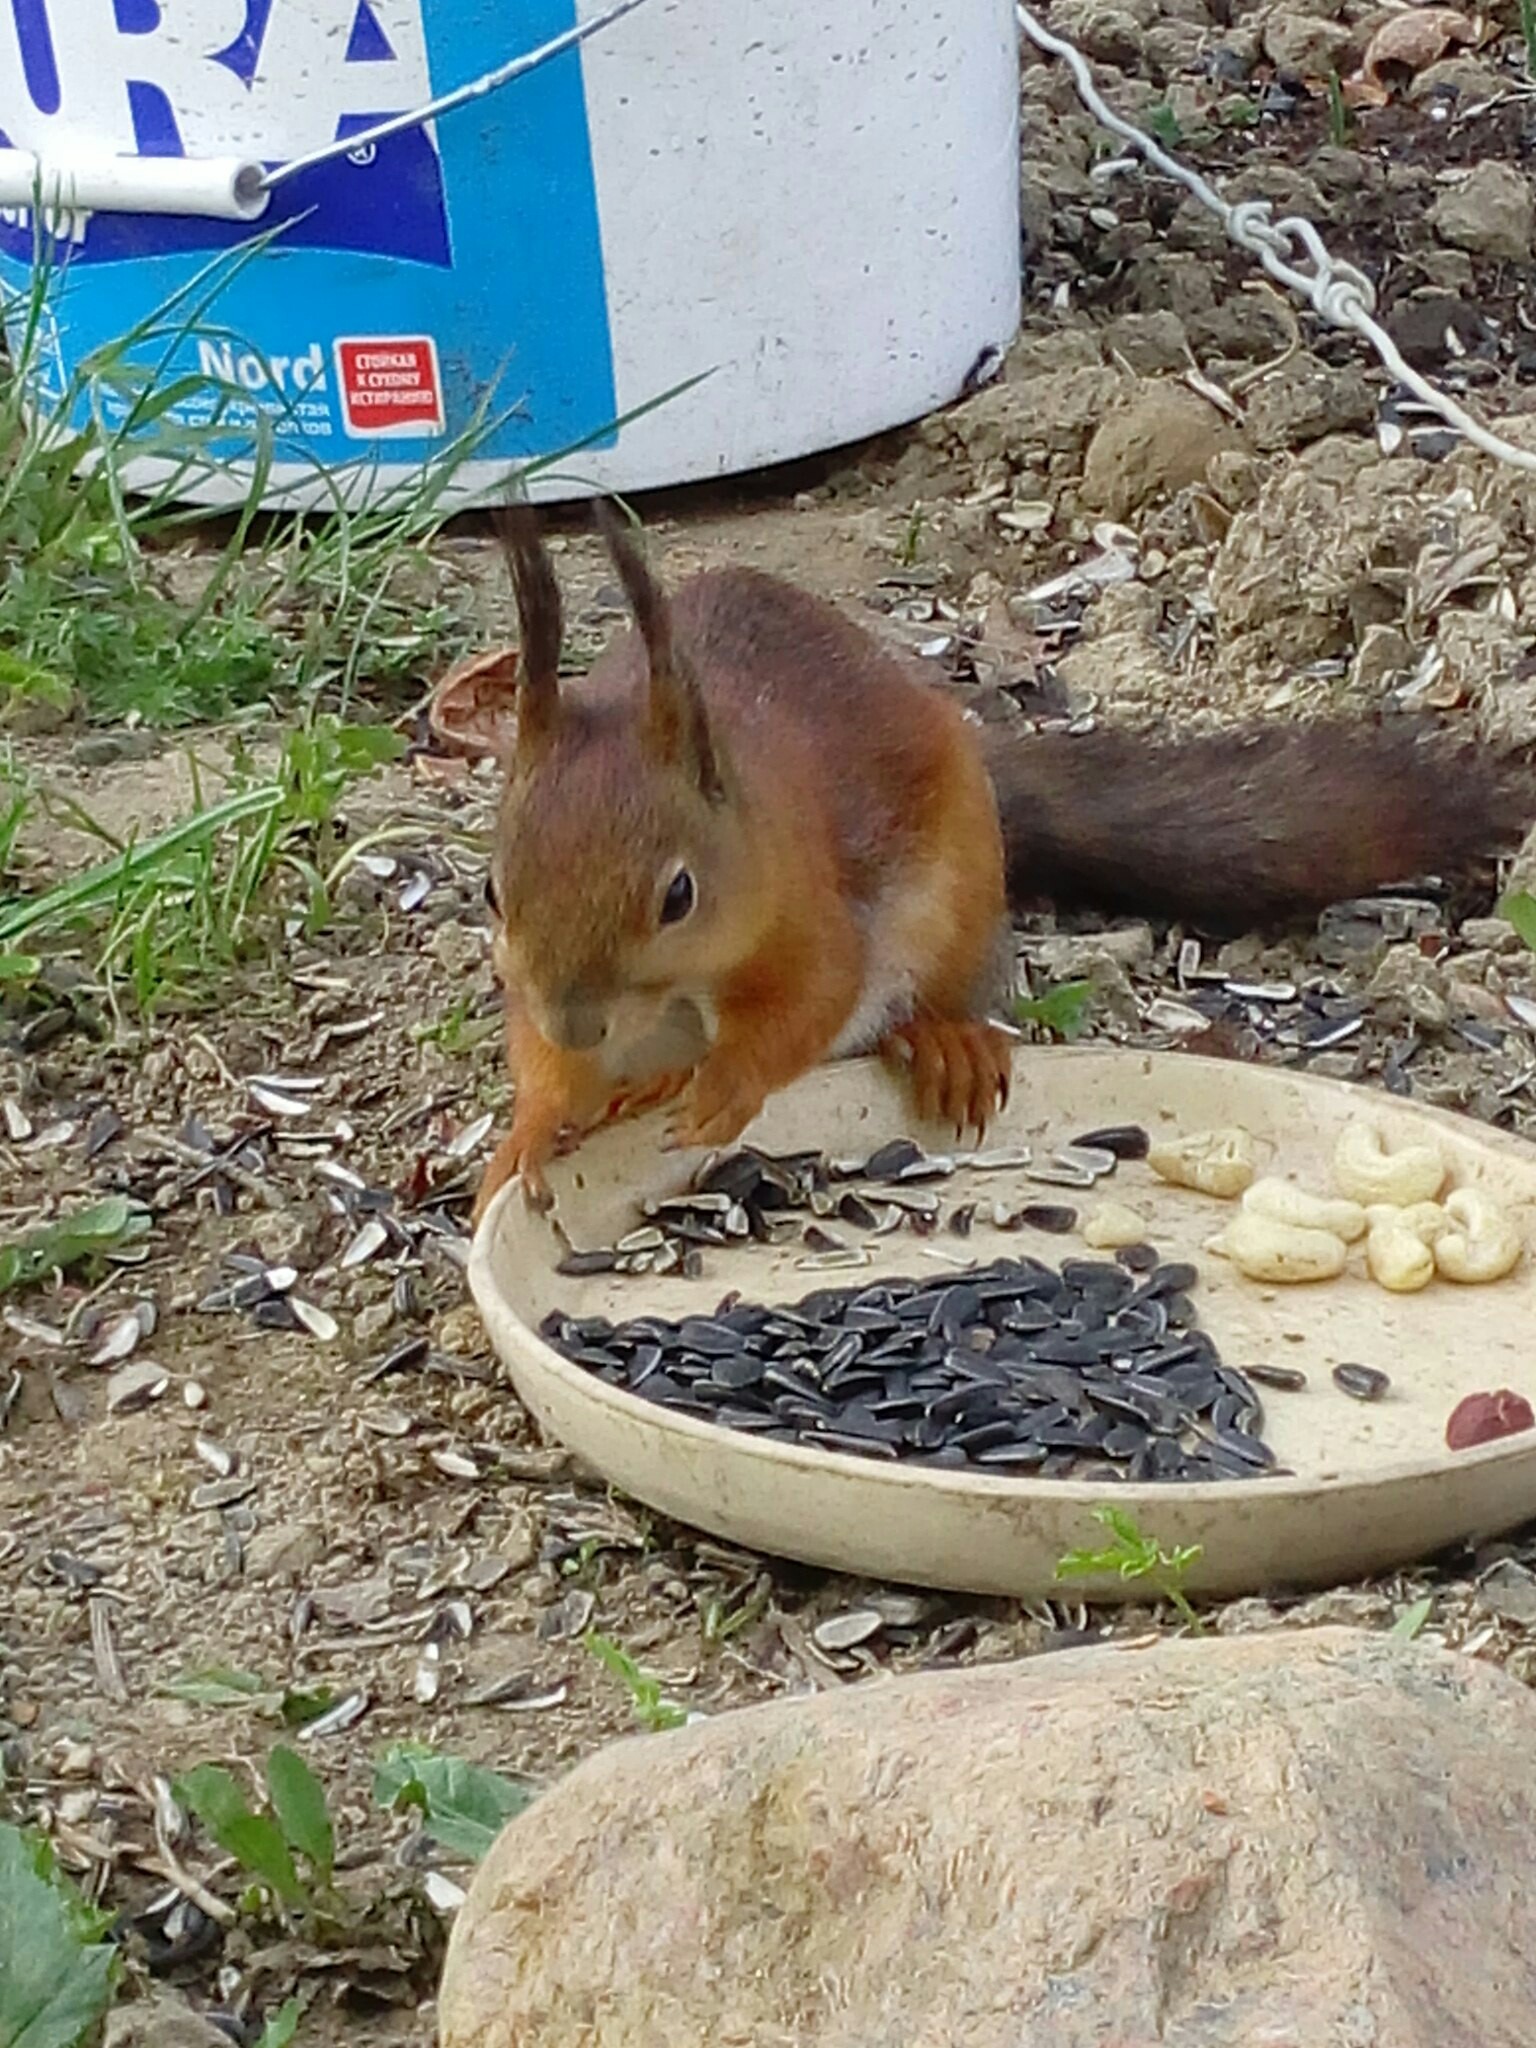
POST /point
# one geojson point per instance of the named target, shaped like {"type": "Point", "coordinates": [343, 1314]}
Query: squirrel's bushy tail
{"type": "Point", "coordinates": [1250, 826]}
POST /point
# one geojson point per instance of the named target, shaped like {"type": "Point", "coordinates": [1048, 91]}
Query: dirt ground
{"type": "Point", "coordinates": [365, 1510]}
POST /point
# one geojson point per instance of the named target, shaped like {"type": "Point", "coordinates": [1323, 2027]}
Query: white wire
{"type": "Point", "coordinates": [1336, 291]}
{"type": "Point", "coordinates": [493, 81]}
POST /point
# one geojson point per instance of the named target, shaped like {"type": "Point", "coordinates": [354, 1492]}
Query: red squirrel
{"type": "Point", "coordinates": [753, 837]}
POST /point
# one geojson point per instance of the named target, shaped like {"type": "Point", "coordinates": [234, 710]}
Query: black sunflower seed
{"type": "Point", "coordinates": [1360, 1382]}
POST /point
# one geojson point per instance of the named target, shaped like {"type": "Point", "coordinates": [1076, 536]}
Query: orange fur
{"type": "Point", "coordinates": [841, 894]}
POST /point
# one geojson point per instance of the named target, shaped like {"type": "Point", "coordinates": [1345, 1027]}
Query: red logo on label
{"type": "Point", "coordinates": [389, 385]}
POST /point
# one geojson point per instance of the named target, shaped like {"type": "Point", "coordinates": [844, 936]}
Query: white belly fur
{"type": "Point", "coordinates": [889, 994]}
{"type": "Point", "coordinates": [900, 930]}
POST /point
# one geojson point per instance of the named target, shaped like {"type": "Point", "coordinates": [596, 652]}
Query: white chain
{"type": "Point", "coordinates": [477, 88]}
{"type": "Point", "coordinates": [1291, 250]}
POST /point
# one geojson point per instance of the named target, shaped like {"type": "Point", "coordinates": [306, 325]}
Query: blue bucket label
{"type": "Point", "coordinates": [442, 276]}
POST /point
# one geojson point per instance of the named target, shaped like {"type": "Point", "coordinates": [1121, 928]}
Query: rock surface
{"type": "Point", "coordinates": [1491, 212]}
{"type": "Point", "coordinates": [1164, 438]}
{"type": "Point", "coordinates": [1261, 1842]}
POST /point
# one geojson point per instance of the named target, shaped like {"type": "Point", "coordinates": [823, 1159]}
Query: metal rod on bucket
{"type": "Point", "coordinates": [215, 188]}
{"type": "Point", "coordinates": [235, 188]}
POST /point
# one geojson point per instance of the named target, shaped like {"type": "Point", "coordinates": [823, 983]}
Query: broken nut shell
{"type": "Point", "coordinates": [1112, 1226]}
{"type": "Point", "coordinates": [1217, 1163]}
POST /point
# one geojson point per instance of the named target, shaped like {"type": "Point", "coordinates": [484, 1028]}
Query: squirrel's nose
{"type": "Point", "coordinates": [579, 1024]}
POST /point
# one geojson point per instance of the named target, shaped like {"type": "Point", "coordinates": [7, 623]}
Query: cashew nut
{"type": "Point", "coordinates": [1112, 1225]}
{"type": "Point", "coordinates": [1367, 1172]}
{"type": "Point", "coordinates": [1265, 1249]}
{"type": "Point", "coordinates": [1398, 1260]}
{"type": "Point", "coordinates": [1283, 1203]}
{"type": "Point", "coordinates": [1485, 1247]}
{"type": "Point", "coordinates": [1212, 1162]}
{"type": "Point", "coordinates": [1423, 1220]}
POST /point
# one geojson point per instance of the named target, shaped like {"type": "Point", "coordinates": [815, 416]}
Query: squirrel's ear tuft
{"type": "Point", "coordinates": [677, 724]}
{"type": "Point", "coordinates": [526, 718]}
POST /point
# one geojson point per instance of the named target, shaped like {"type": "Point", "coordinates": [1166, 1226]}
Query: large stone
{"type": "Point", "coordinates": [1165, 438]}
{"type": "Point", "coordinates": [1276, 1841]}
{"type": "Point", "coordinates": [1491, 213]}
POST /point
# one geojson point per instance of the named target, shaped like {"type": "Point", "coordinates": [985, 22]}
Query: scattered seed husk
{"type": "Point", "coordinates": [818, 1240]}
{"type": "Point", "coordinates": [367, 1244]}
{"type": "Point", "coordinates": [1059, 1173]}
{"type": "Point", "coordinates": [520, 1692]}
{"type": "Point", "coordinates": [1096, 1160]}
{"type": "Point", "coordinates": [276, 1104]}
{"type": "Point", "coordinates": [580, 1265]}
{"type": "Point", "coordinates": [135, 1386]}
{"type": "Point", "coordinates": [336, 1720]}
{"type": "Point", "coordinates": [847, 1631]}
{"type": "Point", "coordinates": [109, 1673]}
{"type": "Point", "coordinates": [117, 1339]}
{"type": "Point", "coordinates": [472, 1137]}
{"type": "Point", "coordinates": [222, 1493]}
{"type": "Point", "coordinates": [318, 1321]}
{"type": "Point", "coordinates": [219, 1460]}
{"type": "Point", "coordinates": [342, 1175]}
{"type": "Point", "coordinates": [32, 1329]}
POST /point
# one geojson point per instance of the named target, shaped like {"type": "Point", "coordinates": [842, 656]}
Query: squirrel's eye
{"type": "Point", "coordinates": [678, 900]}
{"type": "Point", "coordinates": [491, 902]}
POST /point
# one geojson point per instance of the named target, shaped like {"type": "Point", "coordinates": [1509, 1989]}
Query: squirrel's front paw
{"type": "Point", "coordinates": [956, 1069]}
{"type": "Point", "coordinates": [718, 1107]}
{"type": "Point", "coordinates": [517, 1156]}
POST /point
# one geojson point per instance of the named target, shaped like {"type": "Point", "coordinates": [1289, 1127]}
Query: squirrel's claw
{"type": "Point", "coordinates": [956, 1069]}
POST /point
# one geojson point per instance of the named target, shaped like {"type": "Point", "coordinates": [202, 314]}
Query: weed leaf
{"type": "Point", "coordinates": [1063, 1010]}
{"type": "Point", "coordinates": [58, 1246]}
{"type": "Point", "coordinates": [282, 2026]}
{"type": "Point", "coordinates": [298, 1800]}
{"type": "Point", "coordinates": [462, 1805]}
{"type": "Point", "coordinates": [1412, 1619]}
{"type": "Point", "coordinates": [1518, 907]}
{"type": "Point", "coordinates": [55, 1978]}
{"type": "Point", "coordinates": [219, 1685]}
{"type": "Point", "coordinates": [255, 1842]}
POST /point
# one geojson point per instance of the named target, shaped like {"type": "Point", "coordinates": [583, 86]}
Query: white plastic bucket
{"type": "Point", "coordinates": [814, 201]}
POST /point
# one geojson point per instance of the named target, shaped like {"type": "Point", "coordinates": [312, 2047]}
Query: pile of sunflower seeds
{"type": "Point", "coordinates": [767, 1197]}
{"type": "Point", "coordinates": [1091, 1371]}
